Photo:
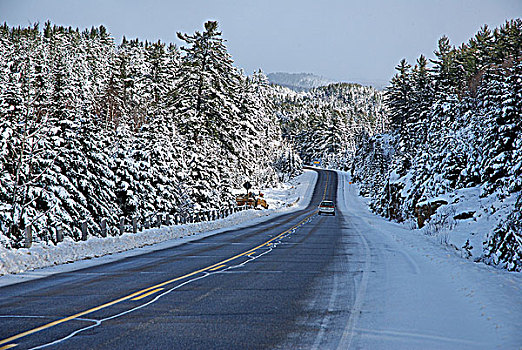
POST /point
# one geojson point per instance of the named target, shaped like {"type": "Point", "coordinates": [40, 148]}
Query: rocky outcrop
{"type": "Point", "coordinates": [424, 210]}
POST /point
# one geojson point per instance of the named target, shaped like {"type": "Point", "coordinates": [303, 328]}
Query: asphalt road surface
{"type": "Point", "coordinates": [290, 282]}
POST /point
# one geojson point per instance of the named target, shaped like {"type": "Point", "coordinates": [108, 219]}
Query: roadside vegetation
{"type": "Point", "coordinates": [455, 135]}
{"type": "Point", "coordinates": [92, 130]}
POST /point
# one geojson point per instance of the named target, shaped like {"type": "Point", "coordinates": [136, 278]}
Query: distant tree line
{"type": "Point", "coordinates": [326, 123]}
{"type": "Point", "coordinates": [91, 130]}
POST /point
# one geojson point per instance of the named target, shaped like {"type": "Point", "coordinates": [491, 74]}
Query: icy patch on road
{"type": "Point", "coordinates": [289, 197]}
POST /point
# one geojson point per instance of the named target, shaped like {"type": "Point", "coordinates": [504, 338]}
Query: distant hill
{"type": "Point", "coordinates": [298, 81]}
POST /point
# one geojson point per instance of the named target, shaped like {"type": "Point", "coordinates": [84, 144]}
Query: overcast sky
{"type": "Point", "coordinates": [345, 40]}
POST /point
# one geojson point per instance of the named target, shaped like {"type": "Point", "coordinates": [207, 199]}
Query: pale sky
{"type": "Point", "coordinates": [360, 41]}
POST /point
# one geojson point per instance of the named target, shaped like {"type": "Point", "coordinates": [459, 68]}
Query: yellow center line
{"type": "Point", "coordinates": [8, 346]}
{"type": "Point", "coordinates": [325, 187]}
{"type": "Point", "coordinates": [147, 294]}
{"type": "Point", "coordinates": [66, 319]}
{"type": "Point", "coordinates": [159, 285]}
{"type": "Point", "coordinates": [217, 267]}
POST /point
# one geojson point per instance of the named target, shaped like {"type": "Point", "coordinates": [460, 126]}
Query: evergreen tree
{"type": "Point", "coordinates": [204, 100]}
{"type": "Point", "coordinates": [398, 95]}
{"type": "Point", "coordinates": [504, 246]}
{"type": "Point", "coordinates": [445, 68]}
{"type": "Point", "coordinates": [503, 132]}
{"type": "Point", "coordinates": [207, 80]}
{"type": "Point", "coordinates": [422, 100]}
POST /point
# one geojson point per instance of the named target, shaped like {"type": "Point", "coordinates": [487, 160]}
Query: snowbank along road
{"type": "Point", "coordinates": [295, 281]}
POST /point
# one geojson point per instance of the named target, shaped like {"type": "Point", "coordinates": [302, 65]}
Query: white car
{"type": "Point", "coordinates": [327, 207]}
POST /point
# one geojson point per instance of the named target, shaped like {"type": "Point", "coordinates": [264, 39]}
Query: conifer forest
{"type": "Point", "coordinates": [92, 129]}
{"type": "Point", "coordinates": [454, 125]}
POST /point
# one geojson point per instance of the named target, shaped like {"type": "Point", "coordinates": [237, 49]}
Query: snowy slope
{"type": "Point", "coordinates": [414, 293]}
{"type": "Point", "coordinates": [289, 197]}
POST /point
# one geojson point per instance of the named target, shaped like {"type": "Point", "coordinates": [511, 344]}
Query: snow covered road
{"type": "Point", "coordinates": [413, 293]}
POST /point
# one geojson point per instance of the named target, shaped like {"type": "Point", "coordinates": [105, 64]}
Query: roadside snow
{"type": "Point", "coordinates": [292, 196]}
{"type": "Point", "coordinates": [468, 217]}
{"type": "Point", "coordinates": [414, 293]}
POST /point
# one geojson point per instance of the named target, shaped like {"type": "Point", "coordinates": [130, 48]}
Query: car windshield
{"type": "Point", "coordinates": [327, 204]}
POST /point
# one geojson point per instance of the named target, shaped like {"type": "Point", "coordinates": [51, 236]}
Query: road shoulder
{"type": "Point", "coordinates": [420, 293]}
